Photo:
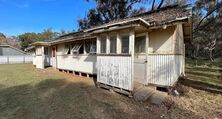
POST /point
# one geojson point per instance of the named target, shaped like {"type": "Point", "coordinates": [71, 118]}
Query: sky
{"type": "Point", "coordinates": [20, 16]}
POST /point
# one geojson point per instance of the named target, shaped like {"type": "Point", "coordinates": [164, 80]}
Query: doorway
{"type": "Point", "coordinates": [54, 57]}
{"type": "Point", "coordinates": [140, 60]}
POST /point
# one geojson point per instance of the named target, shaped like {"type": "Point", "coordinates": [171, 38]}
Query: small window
{"type": "Point", "coordinates": [90, 47]}
{"type": "Point", "coordinates": [46, 51]}
{"type": "Point", "coordinates": [125, 43]}
{"type": "Point", "coordinates": [53, 52]}
{"type": "Point", "coordinates": [67, 49]}
{"type": "Point", "coordinates": [113, 44]}
{"type": "Point", "coordinates": [76, 49]}
{"type": "Point", "coordinates": [140, 44]}
{"type": "Point", "coordinates": [103, 45]}
{"type": "Point", "coordinates": [93, 48]}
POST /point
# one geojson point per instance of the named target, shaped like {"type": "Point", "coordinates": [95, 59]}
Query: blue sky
{"type": "Point", "coordinates": [19, 16]}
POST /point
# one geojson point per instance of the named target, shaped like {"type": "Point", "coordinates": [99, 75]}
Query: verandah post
{"type": "Point", "coordinates": [147, 56]}
{"type": "Point", "coordinates": [131, 51]}
{"type": "Point", "coordinates": [107, 44]}
{"type": "Point", "coordinates": [98, 45]}
{"type": "Point", "coordinates": [118, 43]}
{"type": "Point", "coordinates": [43, 58]}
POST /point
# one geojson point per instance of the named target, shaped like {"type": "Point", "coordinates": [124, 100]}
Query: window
{"type": "Point", "coordinates": [77, 49]}
{"type": "Point", "coordinates": [140, 44]}
{"type": "Point", "coordinates": [93, 47]}
{"type": "Point", "coordinates": [53, 52]}
{"type": "Point", "coordinates": [125, 43]}
{"type": "Point", "coordinates": [88, 45]}
{"type": "Point", "coordinates": [46, 51]}
{"type": "Point", "coordinates": [103, 45]}
{"type": "Point", "coordinates": [113, 44]}
{"type": "Point", "coordinates": [67, 49]}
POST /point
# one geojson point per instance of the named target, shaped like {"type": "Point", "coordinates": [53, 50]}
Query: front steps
{"type": "Point", "coordinates": [148, 93]}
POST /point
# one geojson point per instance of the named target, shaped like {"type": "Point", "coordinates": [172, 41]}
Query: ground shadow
{"type": "Point", "coordinates": [201, 85]}
{"type": "Point", "coordinates": [65, 99]}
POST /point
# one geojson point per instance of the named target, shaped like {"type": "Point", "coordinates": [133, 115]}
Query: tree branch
{"type": "Point", "coordinates": [153, 4]}
{"type": "Point", "coordinates": [219, 5]}
{"type": "Point", "coordinates": [160, 5]}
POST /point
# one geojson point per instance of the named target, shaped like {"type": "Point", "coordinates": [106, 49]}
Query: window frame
{"type": "Point", "coordinates": [67, 49]}
{"type": "Point", "coordinates": [103, 42]}
{"type": "Point", "coordinates": [113, 44]}
{"type": "Point", "coordinates": [139, 41]}
{"type": "Point", "coordinates": [76, 47]}
{"type": "Point", "coordinates": [122, 38]}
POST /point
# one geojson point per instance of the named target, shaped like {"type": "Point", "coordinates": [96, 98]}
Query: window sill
{"type": "Point", "coordinates": [123, 54]}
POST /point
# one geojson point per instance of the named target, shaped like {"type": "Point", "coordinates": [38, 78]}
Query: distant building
{"type": "Point", "coordinates": [7, 50]}
{"type": "Point", "coordinates": [12, 55]}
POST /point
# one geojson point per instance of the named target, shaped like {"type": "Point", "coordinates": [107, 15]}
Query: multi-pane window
{"type": "Point", "coordinates": [93, 47]}
{"type": "Point", "coordinates": [125, 43]}
{"type": "Point", "coordinates": [140, 44]}
{"type": "Point", "coordinates": [103, 45]}
{"type": "Point", "coordinates": [67, 49]}
{"type": "Point", "coordinates": [46, 51]}
{"type": "Point", "coordinates": [90, 47]}
{"type": "Point", "coordinates": [113, 44]}
{"type": "Point", "coordinates": [77, 49]}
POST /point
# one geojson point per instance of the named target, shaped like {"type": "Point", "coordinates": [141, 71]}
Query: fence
{"type": "Point", "coordinates": [15, 59]}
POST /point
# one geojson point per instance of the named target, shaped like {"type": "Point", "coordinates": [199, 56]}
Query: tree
{"type": "Point", "coordinates": [26, 39]}
{"type": "Point", "coordinates": [108, 10]}
{"type": "Point", "coordinates": [207, 21]}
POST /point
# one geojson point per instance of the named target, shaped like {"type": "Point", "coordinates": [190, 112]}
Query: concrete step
{"type": "Point", "coordinates": [146, 93]}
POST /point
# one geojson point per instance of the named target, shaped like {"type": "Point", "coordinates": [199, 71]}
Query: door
{"type": "Point", "coordinates": [140, 60]}
{"type": "Point", "coordinates": [54, 57]}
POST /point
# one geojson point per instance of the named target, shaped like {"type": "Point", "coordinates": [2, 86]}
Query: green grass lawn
{"type": "Point", "coordinates": [30, 93]}
{"type": "Point", "coordinates": [205, 71]}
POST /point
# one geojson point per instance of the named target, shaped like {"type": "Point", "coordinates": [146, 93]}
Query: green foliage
{"type": "Point", "coordinates": [108, 10]}
{"type": "Point", "coordinates": [27, 38]}
{"type": "Point", "coordinates": [207, 21]}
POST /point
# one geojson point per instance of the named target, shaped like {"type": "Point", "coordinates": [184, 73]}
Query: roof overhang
{"type": "Point", "coordinates": [30, 48]}
{"type": "Point", "coordinates": [71, 39]}
{"type": "Point", "coordinates": [41, 43]}
{"type": "Point", "coordinates": [119, 24]}
{"type": "Point", "coordinates": [133, 23]}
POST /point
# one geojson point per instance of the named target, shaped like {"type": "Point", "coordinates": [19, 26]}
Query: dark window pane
{"type": "Point", "coordinates": [125, 44]}
{"type": "Point", "coordinates": [103, 45]}
{"type": "Point", "coordinates": [140, 44]}
{"type": "Point", "coordinates": [113, 44]}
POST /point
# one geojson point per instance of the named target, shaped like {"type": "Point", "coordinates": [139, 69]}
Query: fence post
{"type": "Point", "coordinates": [7, 59]}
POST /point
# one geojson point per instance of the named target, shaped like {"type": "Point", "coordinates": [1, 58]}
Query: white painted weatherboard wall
{"type": "Point", "coordinates": [78, 63]}
{"type": "Point", "coordinates": [115, 71]}
{"type": "Point", "coordinates": [164, 70]}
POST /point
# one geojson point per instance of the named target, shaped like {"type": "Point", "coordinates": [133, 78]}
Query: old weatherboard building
{"type": "Point", "coordinates": [147, 49]}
